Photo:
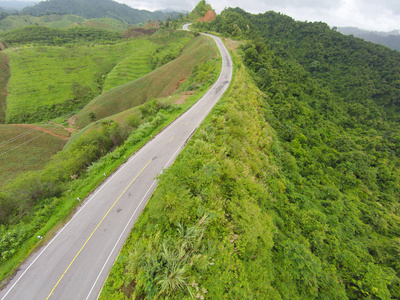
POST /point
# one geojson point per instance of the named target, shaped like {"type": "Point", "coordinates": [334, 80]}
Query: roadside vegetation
{"type": "Point", "coordinates": [33, 203]}
{"type": "Point", "coordinates": [289, 190]}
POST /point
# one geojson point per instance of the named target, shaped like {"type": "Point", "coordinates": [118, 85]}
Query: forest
{"type": "Point", "coordinates": [334, 102]}
{"type": "Point", "coordinates": [290, 188]}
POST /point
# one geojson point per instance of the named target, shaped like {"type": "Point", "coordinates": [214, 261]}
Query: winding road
{"type": "Point", "coordinates": [76, 262]}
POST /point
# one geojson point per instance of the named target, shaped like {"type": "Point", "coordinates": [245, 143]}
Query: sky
{"type": "Point", "coordinates": [379, 15]}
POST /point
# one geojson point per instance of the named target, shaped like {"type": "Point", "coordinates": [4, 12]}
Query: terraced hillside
{"type": "Point", "coordinates": [64, 79]}
{"type": "Point", "coordinates": [61, 80]}
{"type": "Point", "coordinates": [130, 68]}
{"type": "Point", "coordinates": [160, 83]}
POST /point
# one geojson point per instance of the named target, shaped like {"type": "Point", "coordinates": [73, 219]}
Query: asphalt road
{"type": "Point", "coordinates": [76, 262]}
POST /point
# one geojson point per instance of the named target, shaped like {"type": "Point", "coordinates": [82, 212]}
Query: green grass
{"type": "Point", "coordinates": [22, 149]}
{"type": "Point", "coordinates": [158, 84]}
{"type": "Point", "coordinates": [4, 77]}
{"type": "Point", "coordinates": [61, 22]}
{"type": "Point", "coordinates": [132, 67]}
{"type": "Point", "coordinates": [50, 81]}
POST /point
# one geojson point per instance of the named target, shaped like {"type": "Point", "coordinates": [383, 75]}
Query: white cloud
{"type": "Point", "coordinates": [381, 15]}
{"type": "Point", "coordinates": [373, 15]}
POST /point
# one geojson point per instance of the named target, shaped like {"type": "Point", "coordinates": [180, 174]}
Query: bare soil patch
{"type": "Point", "coordinates": [136, 32]}
{"type": "Point", "coordinates": [183, 98]}
{"type": "Point", "coordinates": [209, 16]}
{"type": "Point", "coordinates": [43, 130]}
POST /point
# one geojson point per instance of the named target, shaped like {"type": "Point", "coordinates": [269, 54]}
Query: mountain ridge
{"type": "Point", "coordinates": [97, 9]}
{"type": "Point", "coordinates": [389, 39]}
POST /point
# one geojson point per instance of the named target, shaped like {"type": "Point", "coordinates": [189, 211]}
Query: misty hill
{"type": "Point", "coordinates": [13, 5]}
{"type": "Point", "coordinates": [96, 9]}
{"type": "Point", "coordinates": [389, 39]}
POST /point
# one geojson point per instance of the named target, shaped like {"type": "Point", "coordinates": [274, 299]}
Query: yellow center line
{"type": "Point", "coordinates": [66, 270]}
{"type": "Point", "coordinates": [186, 123]}
{"type": "Point", "coordinates": [171, 139]}
{"type": "Point", "coordinates": [197, 112]}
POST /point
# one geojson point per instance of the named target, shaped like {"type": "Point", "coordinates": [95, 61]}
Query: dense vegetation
{"type": "Point", "coordinates": [97, 9]}
{"type": "Point", "coordinates": [290, 189]}
{"type": "Point", "coordinates": [334, 102]}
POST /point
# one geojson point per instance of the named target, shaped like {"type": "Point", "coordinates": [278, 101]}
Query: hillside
{"type": "Point", "coordinates": [61, 22]}
{"type": "Point", "coordinates": [75, 65]}
{"type": "Point", "coordinates": [289, 190]}
{"type": "Point", "coordinates": [96, 9]}
{"type": "Point", "coordinates": [4, 77]}
{"type": "Point", "coordinates": [158, 84]}
{"type": "Point", "coordinates": [22, 151]}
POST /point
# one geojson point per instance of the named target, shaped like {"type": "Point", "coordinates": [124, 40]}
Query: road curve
{"type": "Point", "coordinates": [76, 262]}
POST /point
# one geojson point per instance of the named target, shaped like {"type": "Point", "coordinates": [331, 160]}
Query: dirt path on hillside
{"type": "Point", "coordinates": [65, 138]}
{"type": "Point", "coordinates": [70, 130]}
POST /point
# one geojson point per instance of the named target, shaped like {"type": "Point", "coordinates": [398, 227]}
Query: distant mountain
{"type": "Point", "coordinates": [96, 9]}
{"type": "Point", "coordinates": [389, 39]}
{"type": "Point", "coordinates": [13, 5]}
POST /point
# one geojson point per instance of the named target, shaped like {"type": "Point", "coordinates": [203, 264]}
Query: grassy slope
{"type": "Point", "coordinates": [159, 83]}
{"type": "Point", "coordinates": [61, 22]}
{"type": "Point", "coordinates": [4, 77]}
{"type": "Point", "coordinates": [143, 60]}
{"type": "Point", "coordinates": [40, 83]}
{"type": "Point", "coordinates": [132, 67]}
{"type": "Point", "coordinates": [21, 149]}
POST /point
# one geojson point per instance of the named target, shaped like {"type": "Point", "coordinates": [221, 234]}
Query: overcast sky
{"type": "Point", "coordinates": [381, 15]}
